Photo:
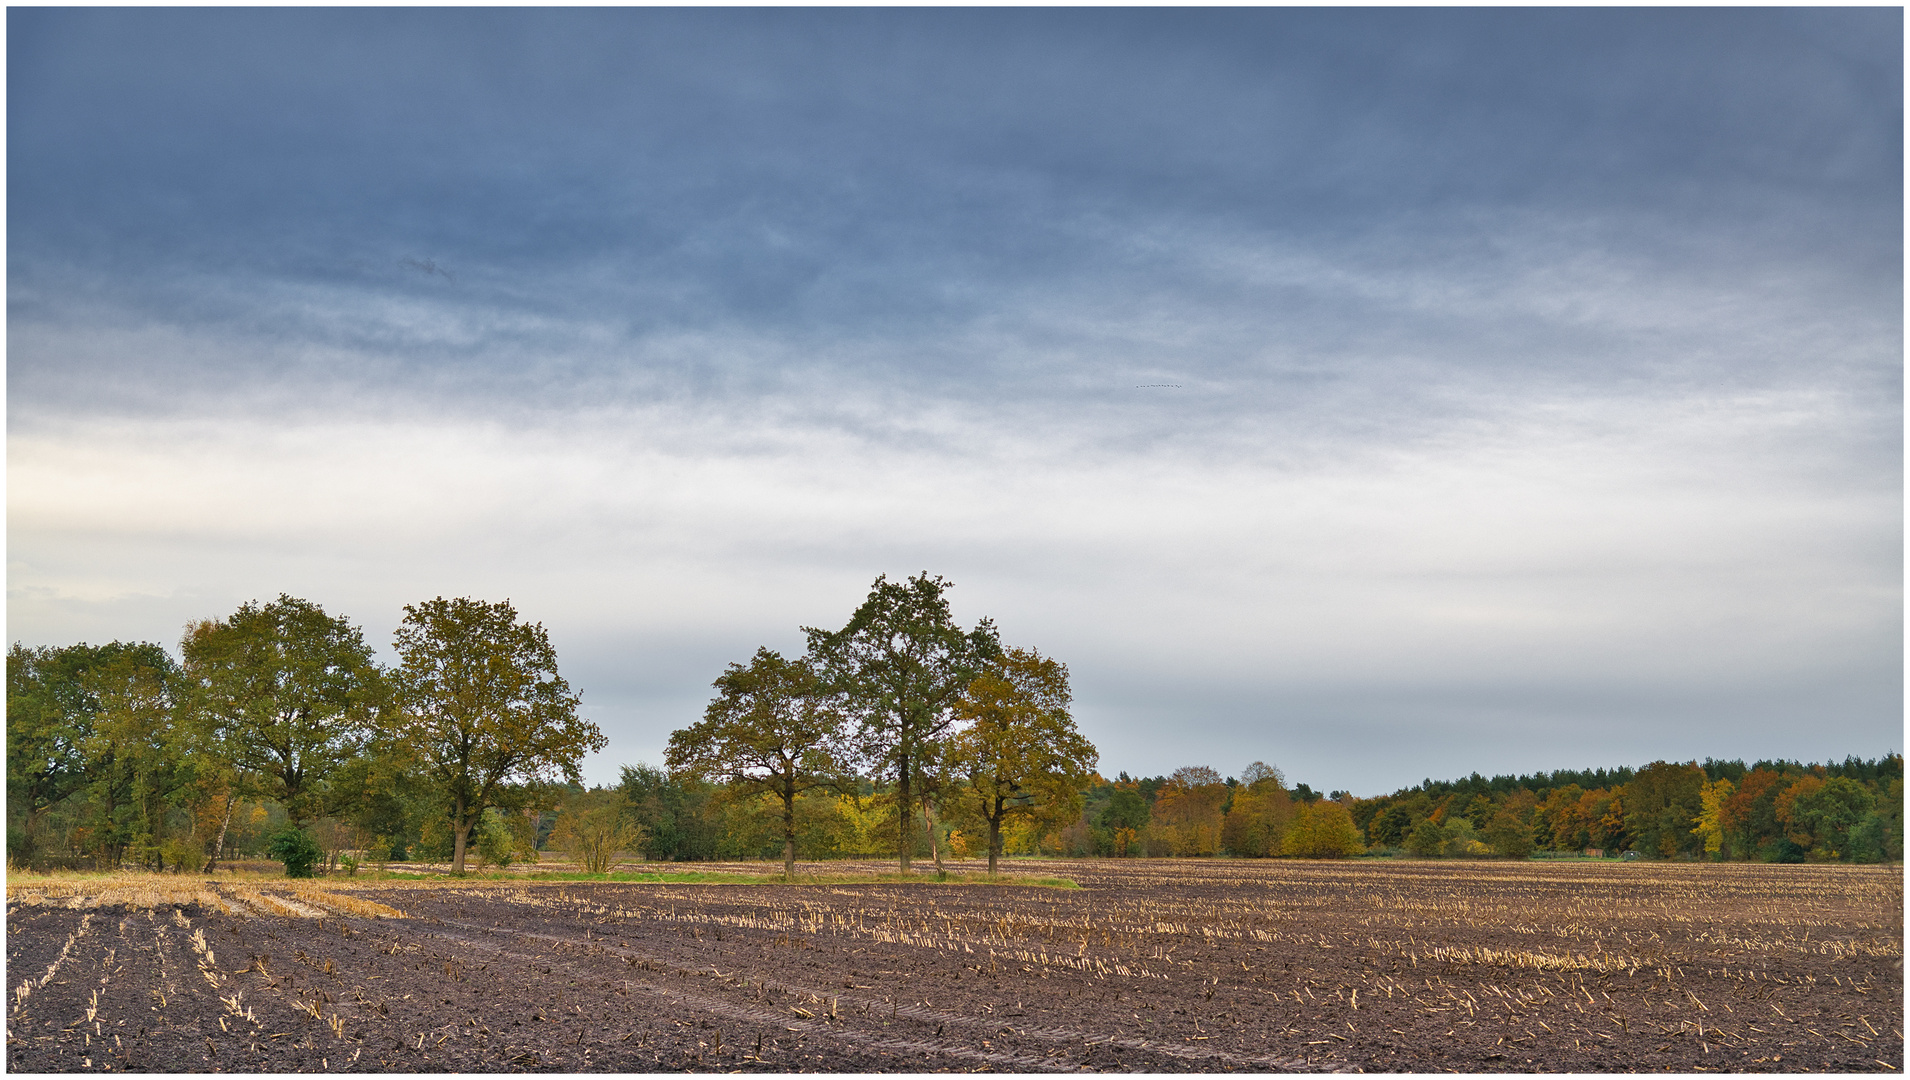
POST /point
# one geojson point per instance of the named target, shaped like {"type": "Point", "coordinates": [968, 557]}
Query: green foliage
{"type": "Point", "coordinates": [672, 810]}
{"type": "Point", "coordinates": [1828, 812]}
{"type": "Point", "coordinates": [1426, 840]}
{"type": "Point", "coordinates": [96, 727]}
{"type": "Point", "coordinates": [771, 729]}
{"type": "Point", "coordinates": [495, 844]}
{"type": "Point", "coordinates": [1020, 756]}
{"type": "Point", "coordinates": [50, 717]}
{"type": "Point", "coordinates": [1128, 809]}
{"type": "Point", "coordinates": [1390, 826]}
{"type": "Point", "coordinates": [295, 848]}
{"type": "Point", "coordinates": [1322, 830]}
{"type": "Point", "coordinates": [1508, 836]}
{"type": "Point", "coordinates": [899, 666]}
{"type": "Point", "coordinates": [481, 708]}
{"type": "Point", "coordinates": [286, 694]}
{"type": "Point", "coordinates": [1661, 803]}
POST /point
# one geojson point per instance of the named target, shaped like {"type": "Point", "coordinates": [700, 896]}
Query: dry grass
{"type": "Point", "coordinates": [238, 895]}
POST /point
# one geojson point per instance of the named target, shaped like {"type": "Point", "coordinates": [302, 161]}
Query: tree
{"type": "Point", "coordinates": [141, 759]}
{"type": "Point", "coordinates": [1186, 816]}
{"type": "Point", "coordinates": [899, 666]}
{"type": "Point", "coordinates": [1322, 830]}
{"type": "Point", "coordinates": [1710, 825]}
{"type": "Point", "coordinates": [1020, 755]}
{"type": "Point", "coordinates": [1259, 770]}
{"type": "Point", "coordinates": [1390, 826]}
{"type": "Point", "coordinates": [481, 705]}
{"type": "Point", "coordinates": [1827, 812]}
{"type": "Point", "coordinates": [1256, 823]}
{"type": "Point", "coordinates": [1426, 840]}
{"type": "Point", "coordinates": [1125, 816]}
{"type": "Point", "coordinates": [287, 694]}
{"type": "Point", "coordinates": [772, 729]}
{"type": "Point", "coordinates": [1508, 834]}
{"type": "Point", "coordinates": [1662, 803]}
{"type": "Point", "coordinates": [673, 811]}
{"type": "Point", "coordinates": [52, 710]}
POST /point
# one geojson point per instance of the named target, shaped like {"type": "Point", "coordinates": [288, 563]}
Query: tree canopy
{"type": "Point", "coordinates": [771, 728]}
{"type": "Point", "coordinates": [1020, 753]}
{"type": "Point", "coordinates": [481, 706]}
{"type": "Point", "coordinates": [288, 693]}
{"type": "Point", "coordinates": [898, 668]}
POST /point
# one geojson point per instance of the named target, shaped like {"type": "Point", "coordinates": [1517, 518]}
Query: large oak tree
{"type": "Point", "coordinates": [286, 695]}
{"type": "Point", "coordinates": [898, 668]}
{"type": "Point", "coordinates": [479, 702]}
{"type": "Point", "coordinates": [1020, 754]}
{"type": "Point", "coordinates": [771, 728]}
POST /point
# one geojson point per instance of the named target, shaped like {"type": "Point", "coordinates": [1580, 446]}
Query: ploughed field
{"type": "Point", "coordinates": [1156, 966]}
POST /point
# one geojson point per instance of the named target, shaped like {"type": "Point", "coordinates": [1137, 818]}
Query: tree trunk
{"type": "Point", "coordinates": [994, 841]}
{"type": "Point", "coordinates": [460, 833]}
{"type": "Point", "coordinates": [905, 820]}
{"type": "Point", "coordinates": [789, 835]}
{"type": "Point", "coordinates": [218, 845]}
{"type": "Point", "coordinates": [934, 842]}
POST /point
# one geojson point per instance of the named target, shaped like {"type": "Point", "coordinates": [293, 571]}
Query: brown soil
{"type": "Point", "coordinates": [1156, 966]}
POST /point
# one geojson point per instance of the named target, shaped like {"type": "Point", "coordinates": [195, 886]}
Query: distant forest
{"type": "Point", "coordinates": [1768, 811]}
{"type": "Point", "coordinates": [901, 735]}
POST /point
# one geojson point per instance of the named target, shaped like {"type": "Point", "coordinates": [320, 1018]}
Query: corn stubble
{"type": "Point", "coordinates": [1153, 965]}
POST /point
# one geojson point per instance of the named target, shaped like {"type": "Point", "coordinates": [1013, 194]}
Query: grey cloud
{"type": "Point", "coordinates": [1501, 341]}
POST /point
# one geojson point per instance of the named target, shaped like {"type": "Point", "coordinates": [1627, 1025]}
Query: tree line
{"type": "Point", "coordinates": [1769, 811]}
{"type": "Point", "coordinates": [1774, 811]}
{"type": "Point", "coordinates": [900, 735]}
{"type": "Point", "coordinates": [278, 718]}
{"type": "Point", "coordinates": [277, 724]}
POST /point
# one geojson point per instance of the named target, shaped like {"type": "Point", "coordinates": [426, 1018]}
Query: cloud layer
{"type": "Point", "coordinates": [1376, 393]}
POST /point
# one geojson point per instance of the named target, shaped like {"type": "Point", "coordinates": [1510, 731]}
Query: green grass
{"type": "Point", "coordinates": [722, 877]}
{"type": "Point", "coordinates": [659, 877]}
{"type": "Point", "coordinates": [711, 877]}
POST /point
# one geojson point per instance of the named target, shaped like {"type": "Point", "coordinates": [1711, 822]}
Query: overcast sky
{"type": "Point", "coordinates": [1382, 394]}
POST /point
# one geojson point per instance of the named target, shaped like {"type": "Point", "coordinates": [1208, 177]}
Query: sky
{"type": "Point", "coordinates": [1382, 394]}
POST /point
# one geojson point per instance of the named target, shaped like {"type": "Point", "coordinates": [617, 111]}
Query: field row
{"type": "Point", "coordinates": [1152, 966]}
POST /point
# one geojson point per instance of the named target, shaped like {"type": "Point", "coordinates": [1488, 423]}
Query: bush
{"type": "Point", "coordinates": [183, 855]}
{"type": "Point", "coordinates": [296, 849]}
{"type": "Point", "coordinates": [594, 832]}
{"type": "Point", "coordinates": [491, 835]}
{"type": "Point", "coordinates": [1782, 850]}
{"type": "Point", "coordinates": [1426, 840]}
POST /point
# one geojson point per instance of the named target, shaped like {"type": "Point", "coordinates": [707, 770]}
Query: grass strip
{"type": "Point", "coordinates": [169, 887]}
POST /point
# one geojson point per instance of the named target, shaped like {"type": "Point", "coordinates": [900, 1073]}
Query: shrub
{"type": "Point", "coordinates": [493, 840]}
{"type": "Point", "coordinates": [295, 848]}
{"type": "Point", "coordinates": [595, 835]}
{"type": "Point", "coordinates": [1426, 840]}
